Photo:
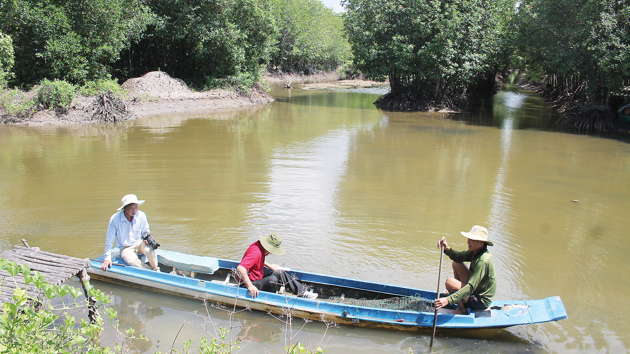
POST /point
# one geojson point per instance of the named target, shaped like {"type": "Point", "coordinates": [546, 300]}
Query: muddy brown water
{"type": "Point", "coordinates": [355, 192]}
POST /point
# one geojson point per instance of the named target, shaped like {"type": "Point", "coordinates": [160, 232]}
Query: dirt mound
{"type": "Point", "coordinates": [157, 84]}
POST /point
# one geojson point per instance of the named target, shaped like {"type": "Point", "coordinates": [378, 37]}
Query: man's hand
{"type": "Point", "coordinates": [253, 291]}
{"type": "Point", "coordinates": [106, 264]}
{"type": "Point", "coordinates": [439, 303]}
{"type": "Point", "coordinates": [146, 242]}
{"type": "Point", "coordinates": [272, 266]}
{"type": "Point", "coordinates": [443, 242]}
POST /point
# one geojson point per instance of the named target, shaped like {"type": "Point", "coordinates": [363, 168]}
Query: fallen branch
{"type": "Point", "coordinates": [109, 108]}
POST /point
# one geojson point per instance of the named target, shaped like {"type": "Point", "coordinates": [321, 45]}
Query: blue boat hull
{"type": "Point", "coordinates": [501, 313]}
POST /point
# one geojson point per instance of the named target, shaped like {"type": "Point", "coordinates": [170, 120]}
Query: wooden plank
{"type": "Point", "coordinates": [14, 256]}
{"type": "Point", "coordinates": [20, 280]}
{"type": "Point", "coordinates": [19, 258]}
{"type": "Point", "coordinates": [50, 274]}
{"type": "Point", "coordinates": [54, 267]}
{"type": "Point", "coordinates": [37, 265]}
{"type": "Point", "coordinates": [85, 261]}
{"type": "Point", "coordinates": [9, 289]}
{"type": "Point", "coordinates": [49, 277]}
{"type": "Point", "coordinates": [25, 252]}
{"type": "Point", "coordinates": [26, 260]}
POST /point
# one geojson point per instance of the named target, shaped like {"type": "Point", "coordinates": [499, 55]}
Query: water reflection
{"type": "Point", "coordinates": [355, 192]}
{"type": "Point", "coordinates": [303, 181]}
{"type": "Point", "coordinates": [505, 249]}
{"type": "Point", "coordinates": [165, 320]}
{"type": "Point", "coordinates": [532, 112]}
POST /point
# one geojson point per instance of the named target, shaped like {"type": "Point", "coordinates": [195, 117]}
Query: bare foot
{"type": "Point", "coordinates": [460, 311]}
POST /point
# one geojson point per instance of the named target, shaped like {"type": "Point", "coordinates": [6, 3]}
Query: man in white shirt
{"type": "Point", "coordinates": [126, 227]}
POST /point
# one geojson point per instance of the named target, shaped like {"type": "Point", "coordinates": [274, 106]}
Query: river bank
{"type": "Point", "coordinates": [577, 115]}
{"type": "Point", "coordinates": [154, 93]}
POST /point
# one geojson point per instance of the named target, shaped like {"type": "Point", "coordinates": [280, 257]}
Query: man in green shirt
{"type": "Point", "coordinates": [475, 287]}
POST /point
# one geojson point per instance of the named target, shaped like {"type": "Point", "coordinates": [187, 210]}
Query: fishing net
{"type": "Point", "coordinates": [407, 303]}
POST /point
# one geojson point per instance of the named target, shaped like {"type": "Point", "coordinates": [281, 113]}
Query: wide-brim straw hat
{"type": "Point", "coordinates": [130, 199]}
{"type": "Point", "coordinates": [478, 233]}
{"type": "Point", "coordinates": [272, 243]}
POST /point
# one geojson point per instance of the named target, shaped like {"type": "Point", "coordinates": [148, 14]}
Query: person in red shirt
{"type": "Point", "coordinates": [256, 277]}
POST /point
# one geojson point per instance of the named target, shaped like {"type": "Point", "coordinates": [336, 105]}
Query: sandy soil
{"type": "Point", "coordinates": [344, 85]}
{"type": "Point", "coordinates": [152, 94]}
{"type": "Point", "coordinates": [287, 78]}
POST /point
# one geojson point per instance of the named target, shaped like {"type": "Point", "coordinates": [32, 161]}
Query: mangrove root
{"type": "Point", "coordinates": [108, 108]}
{"type": "Point", "coordinates": [592, 118]}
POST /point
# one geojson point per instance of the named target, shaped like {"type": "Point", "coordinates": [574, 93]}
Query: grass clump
{"type": "Point", "coordinates": [17, 102]}
{"type": "Point", "coordinates": [93, 88]}
{"type": "Point", "coordinates": [55, 94]}
{"type": "Point", "coordinates": [242, 82]}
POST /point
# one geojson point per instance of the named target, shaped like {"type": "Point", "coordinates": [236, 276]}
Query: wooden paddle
{"type": "Point", "coordinates": [438, 296]}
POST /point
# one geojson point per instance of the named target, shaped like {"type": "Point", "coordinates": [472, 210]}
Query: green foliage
{"type": "Point", "coordinates": [81, 41]}
{"type": "Point", "coordinates": [577, 44]}
{"type": "Point", "coordinates": [610, 42]}
{"type": "Point", "coordinates": [55, 94]}
{"type": "Point", "coordinates": [348, 72]}
{"type": "Point", "coordinates": [32, 325]}
{"type": "Point", "coordinates": [195, 39]}
{"type": "Point", "coordinates": [242, 82]}
{"type": "Point", "coordinates": [310, 36]}
{"type": "Point", "coordinates": [92, 88]}
{"type": "Point", "coordinates": [18, 102]}
{"type": "Point", "coordinates": [6, 58]}
{"type": "Point", "coordinates": [299, 348]}
{"type": "Point", "coordinates": [221, 344]}
{"type": "Point", "coordinates": [435, 50]}
{"type": "Point", "coordinates": [72, 40]}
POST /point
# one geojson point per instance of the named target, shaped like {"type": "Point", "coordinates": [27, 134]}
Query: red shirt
{"type": "Point", "coordinates": [254, 261]}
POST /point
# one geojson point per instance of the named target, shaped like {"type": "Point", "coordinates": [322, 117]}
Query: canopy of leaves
{"type": "Point", "coordinates": [310, 36]}
{"type": "Point", "coordinates": [437, 50]}
{"type": "Point", "coordinates": [195, 39]}
{"type": "Point", "coordinates": [578, 43]}
{"type": "Point", "coordinates": [6, 58]}
{"type": "Point", "coordinates": [73, 40]}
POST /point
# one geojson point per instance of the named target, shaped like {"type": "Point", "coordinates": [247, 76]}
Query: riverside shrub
{"type": "Point", "coordinates": [55, 94]}
{"type": "Point", "coordinates": [241, 83]}
{"type": "Point", "coordinates": [6, 58]}
{"type": "Point", "coordinates": [93, 88]}
{"type": "Point", "coordinates": [17, 102]}
{"type": "Point", "coordinates": [31, 324]}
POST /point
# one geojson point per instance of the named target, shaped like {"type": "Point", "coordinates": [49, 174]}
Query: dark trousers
{"type": "Point", "coordinates": [273, 280]}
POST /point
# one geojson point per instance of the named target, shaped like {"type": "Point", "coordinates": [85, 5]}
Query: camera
{"type": "Point", "coordinates": [152, 243]}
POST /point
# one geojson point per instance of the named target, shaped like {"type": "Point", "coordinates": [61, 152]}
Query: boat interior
{"type": "Point", "coordinates": [326, 292]}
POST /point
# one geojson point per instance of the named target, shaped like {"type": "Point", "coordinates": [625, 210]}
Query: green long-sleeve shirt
{"type": "Point", "coordinates": [481, 278]}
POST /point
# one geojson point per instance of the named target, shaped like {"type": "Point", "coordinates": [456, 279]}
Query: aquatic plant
{"type": "Point", "coordinates": [30, 323]}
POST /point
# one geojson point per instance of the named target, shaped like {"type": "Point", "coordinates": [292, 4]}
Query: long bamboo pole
{"type": "Point", "coordinates": [438, 296]}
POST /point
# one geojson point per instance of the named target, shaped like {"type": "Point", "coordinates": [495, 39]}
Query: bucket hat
{"type": "Point", "coordinates": [130, 199]}
{"type": "Point", "coordinates": [478, 233]}
{"type": "Point", "coordinates": [272, 244]}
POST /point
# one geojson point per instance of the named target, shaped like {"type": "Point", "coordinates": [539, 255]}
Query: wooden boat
{"type": "Point", "coordinates": [341, 300]}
